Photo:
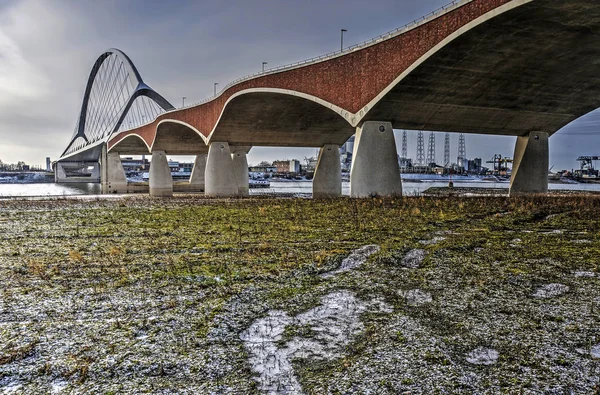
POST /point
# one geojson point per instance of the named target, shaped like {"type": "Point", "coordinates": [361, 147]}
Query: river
{"type": "Point", "coordinates": [300, 187]}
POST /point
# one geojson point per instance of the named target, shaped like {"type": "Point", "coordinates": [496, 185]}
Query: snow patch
{"type": "Point", "coordinates": [483, 356]}
{"type": "Point", "coordinates": [585, 274]}
{"type": "Point", "coordinates": [354, 260]}
{"type": "Point", "coordinates": [595, 351]}
{"type": "Point", "coordinates": [435, 240]}
{"type": "Point", "coordinates": [332, 325]}
{"type": "Point", "coordinates": [413, 258]}
{"type": "Point", "coordinates": [416, 297]}
{"type": "Point", "coordinates": [551, 291]}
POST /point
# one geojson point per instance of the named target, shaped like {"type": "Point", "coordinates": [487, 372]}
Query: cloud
{"type": "Point", "coordinates": [19, 79]}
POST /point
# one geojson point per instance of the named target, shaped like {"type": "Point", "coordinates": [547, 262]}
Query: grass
{"type": "Point", "coordinates": [151, 294]}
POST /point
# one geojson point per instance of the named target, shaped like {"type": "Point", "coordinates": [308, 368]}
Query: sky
{"type": "Point", "coordinates": [47, 49]}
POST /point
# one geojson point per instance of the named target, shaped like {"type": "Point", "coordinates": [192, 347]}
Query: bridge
{"type": "Point", "coordinates": [523, 68]}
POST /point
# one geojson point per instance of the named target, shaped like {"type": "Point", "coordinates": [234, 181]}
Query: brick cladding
{"type": "Point", "coordinates": [350, 81]}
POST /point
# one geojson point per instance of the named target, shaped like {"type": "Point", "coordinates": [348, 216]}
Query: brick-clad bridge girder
{"type": "Point", "coordinates": [486, 66]}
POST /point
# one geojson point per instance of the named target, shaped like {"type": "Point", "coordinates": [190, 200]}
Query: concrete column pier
{"type": "Point", "coordinates": [219, 178]}
{"type": "Point", "coordinates": [530, 164]}
{"type": "Point", "coordinates": [113, 174]}
{"type": "Point", "coordinates": [197, 176]}
{"type": "Point", "coordinates": [161, 181]}
{"type": "Point", "coordinates": [375, 170]}
{"type": "Point", "coordinates": [327, 182]}
{"type": "Point", "coordinates": [240, 170]}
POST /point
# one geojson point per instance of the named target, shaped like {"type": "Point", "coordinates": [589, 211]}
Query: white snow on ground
{"type": "Point", "coordinates": [585, 274]}
{"type": "Point", "coordinates": [595, 351]}
{"type": "Point", "coordinates": [413, 259]}
{"type": "Point", "coordinates": [416, 297]}
{"type": "Point", "coordinates": [551, 291]}
{"type": "Point", "coordinates": [332, 325]}
{"type": "Point", "coordinates": [435, 240]}
{"type": "Point", "coordinates": [483, 356]}
{"type": "Point", "coordinates": [354, 260]}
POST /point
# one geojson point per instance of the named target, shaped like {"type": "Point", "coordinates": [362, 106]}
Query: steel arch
{"type": "Point", "coordinates": [142, 89]}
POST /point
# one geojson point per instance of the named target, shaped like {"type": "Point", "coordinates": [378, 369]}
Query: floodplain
{"type": "Point", "coordinates": [263, 295]}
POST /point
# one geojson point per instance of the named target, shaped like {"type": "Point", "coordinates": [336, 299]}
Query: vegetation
{"type": "Point", "coordinates": [151, 295]}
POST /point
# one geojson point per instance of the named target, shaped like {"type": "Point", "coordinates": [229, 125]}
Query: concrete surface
{"type": "Point", "coordinates": [240, 170]}
{"type": "Point", "coordinates": [161, 181]}
{"type": "Point", "coordinates": [375, 170]}
{"type": "Point", "coordinates": [327, 181]}
{"type": "Point", "coordinates": [197, 176]}
{"type": "Point", "coordinates": [219, 177]}
{"type": "Point", "coordinates": [114, 180]}
{"type": "Point", "coordinates": [530, 165]}
{"type": "Point", "coordinates": [531, 68]}
{"type": "Point", "coordinates": [275, 119]}
{"type": "Point", "coordinates": [67, 172]}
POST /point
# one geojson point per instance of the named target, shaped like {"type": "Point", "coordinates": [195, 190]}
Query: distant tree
{"type": "Point", "coordinates": [264, 163]}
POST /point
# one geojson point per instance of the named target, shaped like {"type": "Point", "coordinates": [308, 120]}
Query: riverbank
{"type": "Point", "coordinates": [199, 295]}
{"type": "Point", "coordinates": [465, 191]}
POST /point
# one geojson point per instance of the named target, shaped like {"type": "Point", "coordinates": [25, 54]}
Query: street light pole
{"type": "Point", "coordinates": [263, 64]}
{"type": "Point", "coordinates": [342, 40]}
{"type": "Point", "coordinates": [183, 101]}
{"type": "Point", "coordinates": [215, 86]}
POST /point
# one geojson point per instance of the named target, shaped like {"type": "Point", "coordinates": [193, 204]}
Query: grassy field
{"type": "Point", "coordinates": [139, 295]}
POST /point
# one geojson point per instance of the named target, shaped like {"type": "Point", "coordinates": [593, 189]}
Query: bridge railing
{"type": "Point", "coordinates": [408, 26]}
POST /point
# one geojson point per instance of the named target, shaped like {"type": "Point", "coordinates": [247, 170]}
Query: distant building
{"type": "Point", "coordinates": [134, 165]}
{"type": "Point", "coordinates": [48, 164]}
{"type": "Point", "coordinates": [263, 169]}
{"type": "Point", "coordinates": [287, 166]}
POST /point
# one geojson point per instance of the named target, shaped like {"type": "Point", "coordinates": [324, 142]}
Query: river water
{"type": "Point", "coordinates": [300, 187]}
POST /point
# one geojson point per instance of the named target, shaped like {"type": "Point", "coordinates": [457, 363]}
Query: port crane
{"type": "Point", "coordinates": [500, 163]}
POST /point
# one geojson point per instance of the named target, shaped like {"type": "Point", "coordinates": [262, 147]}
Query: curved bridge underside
{"type": "Point", "coordinates": [504, 67]}
{"type": "Point", "coordinates": [533, 68]}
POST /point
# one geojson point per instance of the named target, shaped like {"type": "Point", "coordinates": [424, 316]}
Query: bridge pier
{"type": "Point", "coordinates": [197, 176]}
{"type": "Point", "coordinates": [327, 182]}
{"type": "Point", "coordinates": [112, 173]}
{"type": "Point", "coordinates": [530, 164]}
{"type": "Point", "coordinates": [240, 169]}
{"type": "Point", "coordinates": [220, 179]}
{"type": "Point", "coordinates": [375, 170]}
{"type": "Point", "coordinates": [161, 181]}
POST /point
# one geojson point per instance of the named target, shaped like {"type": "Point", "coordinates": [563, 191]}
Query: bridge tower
{"type": "Point", "coordinates": [431, 149]}
{"type": "Point", "coordinates": [420, 149]}
{"type": "Point", "coordinates": [447, 150]}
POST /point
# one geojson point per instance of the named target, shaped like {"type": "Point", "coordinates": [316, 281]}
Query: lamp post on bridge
{"type": "Point", "coordinates": [183, 101]}
{"type": "Point", "coordinates": [215, 88]}
{"type": "Point", "coordinates": [263, 65]}
{"type": "Point", "coordinates": [342, 40]}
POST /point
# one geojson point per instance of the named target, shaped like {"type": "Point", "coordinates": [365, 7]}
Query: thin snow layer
{"type": "Point", "coordinates": [332, 325]}
{"type": "Point", "coordinates": [416, 297]}
{"type": "Point", "coordinates": [435, 240]}
{"type": "Point", "coordinates": [551, 291]}
{"type": "Point", "coordinates": [354, 260]}
{"type": "Point", "coordinates": [595, 351]}
{"type": "Point", "coordinates": [483, 356]}
{"type": "Point", "coordinates": [413, 258]}
{"type": "Point", "coordinates": [585, 274]}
